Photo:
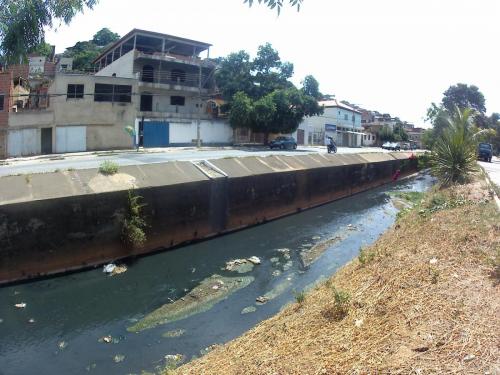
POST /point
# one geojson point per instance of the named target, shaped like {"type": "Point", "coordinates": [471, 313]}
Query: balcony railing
{"type": "Point", "coordinates": [173, 78]}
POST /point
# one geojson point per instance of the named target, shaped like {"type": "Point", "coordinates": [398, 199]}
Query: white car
{"type": "Point", "coordinates": [394, 146]}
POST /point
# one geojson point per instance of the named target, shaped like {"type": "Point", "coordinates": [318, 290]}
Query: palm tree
{"type": "Point", "coordinates": [454, 154]}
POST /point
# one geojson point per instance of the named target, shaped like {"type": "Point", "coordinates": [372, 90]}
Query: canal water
{"type": "Point", "coordinates": [61, 329]}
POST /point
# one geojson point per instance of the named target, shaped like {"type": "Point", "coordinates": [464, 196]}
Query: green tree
{"type": "Point", "coordinates": [270, 73]}
{"type": "Point", "coordinates": [84, 52]}
{"type": "Point", "coordinates": [278, 4]}
{"type": "Point", "coordinates": [310, 86]}
{"type": "Point", "coordinates": [463, 96]}
{"type": "Point", "coordinates": [386, 134]}
{"type": "Point", "coordinates": [23, 23]}
{"type": "Point", "coordinates": [104, 37]}
{"type": "Point", "coordinates": [241, 114]}
{"type": "Point", "coordinates": [400, 133]}
{"type": "Point", "coordinates": [234, 74]}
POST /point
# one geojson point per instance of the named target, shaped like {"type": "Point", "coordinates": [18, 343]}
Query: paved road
{"type": "Point", "coordinates": [124, 158]}
{"type": "Point", "coordinates": [493, 170]}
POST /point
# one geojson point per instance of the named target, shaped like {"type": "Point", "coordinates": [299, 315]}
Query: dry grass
{"type": "Point", "coordinates": [427, 302]}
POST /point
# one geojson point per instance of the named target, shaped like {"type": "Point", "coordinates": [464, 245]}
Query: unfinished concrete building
{"type": "Point", "coordinates": [176, 88]}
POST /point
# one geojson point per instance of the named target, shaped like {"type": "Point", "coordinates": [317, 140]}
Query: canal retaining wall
{"type": "Point", "coordinates": [62, 221]}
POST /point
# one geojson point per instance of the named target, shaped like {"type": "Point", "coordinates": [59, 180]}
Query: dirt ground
{"type": "Point", "coordinates": [425, 299]}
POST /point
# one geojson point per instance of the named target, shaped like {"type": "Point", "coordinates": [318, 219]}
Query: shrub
{"type": "Point", "coordinates": [300, 297]}
{"type": "Point", "coordinates": [108, 168]}
{"type": "Point", "coordinates": [340, 307]}
{"type": "Point", "coordinates": [454, 154]}
{"type": "Point", "coordinates": [365, 256]}
{"type": "Point", "coordinates": [133, 234]}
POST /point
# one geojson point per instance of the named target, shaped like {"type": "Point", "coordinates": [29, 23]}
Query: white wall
{"type": "Point", "coordinates": [210, 132]}
{"type": "Point", "coordinates": [123, 67]}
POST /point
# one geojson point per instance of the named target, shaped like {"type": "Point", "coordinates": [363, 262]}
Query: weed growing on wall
{"type": "Point", "coordinates": [134, 225]}
{"type": "Point", "coordinates": [108, 168]}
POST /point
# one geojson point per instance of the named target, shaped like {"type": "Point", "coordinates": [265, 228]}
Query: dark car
{"type": "Point", "coordinates": [283, 143]}
{"type": "Point", "coordinates": [485, 151]}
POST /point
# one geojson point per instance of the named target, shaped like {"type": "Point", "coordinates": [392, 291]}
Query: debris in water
{"type": "Point", "coordinates": [119, 269]}
{"type": "Point", "coordinates": [262, 300]}
{"type": "Point", "coordinates": [109, 268]}
{"type": "Point", "coordinates": [173, 360]}
{"type": "Point", "coordinates": [248, 310]}
{"type": "Point", "coordinates": [193, 270]}
{"type": "Point", "coordinates": [208, 349]}
{"type": "Point", "coordinates": [274, 260]}
{"type": "Point", "coordinates": [239, 265]}
{"type": "Point", "coordinates": [112, 269]}
{"type": "Point", "coordinates": [255, 260]}
{"type": "Point", "coordinates": [283, 251]}
{"type": "Point", "coordinates": [174, 333]}
{"type": "Point", "coordinates": [31, 321]}
{"type": "Point", "coordinates": [107, 339]}
{"type": "Point", "coordinates": [21, 305]}
{"type": "Point", "coordinates": [312, 255]}
{"type": "Point", "coordinates": [316, 238]}
{"type": "Point", "coordinates": [1, 321]}
{"type": "Point", "coordinates": [201, 298]}
{"type": "Point", "coordinates": [287, 265]}
{"type": "Point", "coordinates": [91, 367]}
{"type": "Point", "coordinates": [63, 345]}
{"type": "Point", "coordinates": [276, 273]}
{"type": "Point", "coordinates": [118, 358]}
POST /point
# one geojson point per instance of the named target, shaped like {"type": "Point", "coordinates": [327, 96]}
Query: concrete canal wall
{"type": "Point", "coordinates": [62, 221]}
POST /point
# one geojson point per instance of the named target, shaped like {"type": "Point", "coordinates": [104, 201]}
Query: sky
{"type": "Point", "coordinates": [393, 56]}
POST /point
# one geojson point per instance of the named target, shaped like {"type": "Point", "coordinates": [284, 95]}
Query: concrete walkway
{"type": "Point", "coordinates": [87, 160]}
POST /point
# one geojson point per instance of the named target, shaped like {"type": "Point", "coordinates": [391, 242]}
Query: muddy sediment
{"type": "Point", "coordinates": [211, 290]}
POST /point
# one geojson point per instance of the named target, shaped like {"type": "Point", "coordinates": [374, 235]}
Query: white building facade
{"type": "Point", "coordinates": [339, 121]}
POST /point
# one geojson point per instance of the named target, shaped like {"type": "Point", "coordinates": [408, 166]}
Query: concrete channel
{"type": "Point", "coordinates": [69, 220]}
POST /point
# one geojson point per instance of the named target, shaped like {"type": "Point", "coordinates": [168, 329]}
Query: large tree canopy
{"type": "Point", "coordinates": [463, 96]}
{"type": "Point", "coordinates": [83, 53]}
{"type": "Point", "coordinates": [22, 23]}
{"type": "Point", "coordinates": [260, 95]}
{"type": "Point", "coordinates": [104, 37]}
{"type": "Point", "coordinates": [457, 97]}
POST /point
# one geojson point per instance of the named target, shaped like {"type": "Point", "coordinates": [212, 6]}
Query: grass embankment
{"type": "Point", "coordinates": [424, 299]}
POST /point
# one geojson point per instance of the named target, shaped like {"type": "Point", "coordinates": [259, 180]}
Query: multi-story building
{"type": "Point", "coordinates": [154, 82]}
{"type": "Point", "coordinates": [175, 87]}
{"type": "Point", "coordinates": [340, 121]}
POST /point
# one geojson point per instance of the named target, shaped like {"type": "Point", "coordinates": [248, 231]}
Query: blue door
{"type": "Point", "coordinates": [156, 134]}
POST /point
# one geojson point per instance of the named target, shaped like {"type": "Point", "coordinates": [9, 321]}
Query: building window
{"type": "Point", "coordinates": [75, 92]}
{"type": "Point", "coordinates": [177, 100]}
{"type": "Point", "coordinates": [353, 118]}
{"type": "Point", "coordinates": [346, 117]}
{"type": "Point", "coordinates": [2, 98]}
{"type": "Point", "coordinates": [113, 93]}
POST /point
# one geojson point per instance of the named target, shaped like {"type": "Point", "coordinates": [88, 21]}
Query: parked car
{"type": "Point", "coordinates": [485, 151]}
{"type": "Point", "coordinates": [394, 146]}
{"type": "Point", "coordinates": [283, 142]}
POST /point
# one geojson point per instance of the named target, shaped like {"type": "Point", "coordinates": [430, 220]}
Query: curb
{"type": "Point", "coordinates": [488, 180]}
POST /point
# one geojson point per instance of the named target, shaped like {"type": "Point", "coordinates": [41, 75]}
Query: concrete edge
{"type": "Point", "coordinates": [491, 184]}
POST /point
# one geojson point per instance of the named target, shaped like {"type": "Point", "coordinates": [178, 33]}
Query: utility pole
{"type": "Point", "coordinates": [198, 125]}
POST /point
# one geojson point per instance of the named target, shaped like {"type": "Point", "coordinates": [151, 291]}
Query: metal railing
{"type": "Point", "coordinates": [173, 78]}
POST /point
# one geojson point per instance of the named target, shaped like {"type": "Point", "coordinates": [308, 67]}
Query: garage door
{"type": "Point", "coordinates": [23, 142]}
{"type": "Point", "coordinates": [71, 139]}
{"type": "Point", "coordinates": [156, 134]}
